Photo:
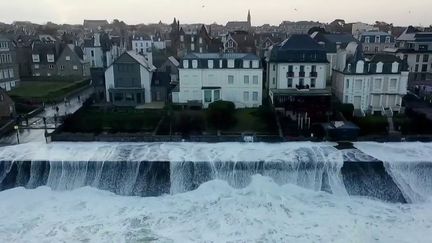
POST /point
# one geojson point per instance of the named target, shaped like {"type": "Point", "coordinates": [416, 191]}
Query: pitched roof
{"type": "Point", "coordinates": [300, 42]}
{"type": "Point", "coordinates": [298, 48]}
{"type": "Point", "coordinates": [142, 61]}
{"type": "Point", "coordinates": [385, 58]}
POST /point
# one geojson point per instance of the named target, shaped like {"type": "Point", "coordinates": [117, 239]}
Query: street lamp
{"type": "Point", "coordinates": [17, 131]}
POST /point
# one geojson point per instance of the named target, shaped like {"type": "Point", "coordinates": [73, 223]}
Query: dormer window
{"type": "Point", "coordinates": [50, 58]}
{"type": "Point", "coordinates": [387, 40]}
{"type": "Point", "coordinates": [230, 44]}
{"type": "Point", "coordinates": [231, 63]}
{"type": "Point", "coordinates": [255, 64]}
{"type": "Point", "coordinates": [35, 58]}
{"type": "Point", "coordinates": [194, 63]}
{"type": "Point", "coordinates": [379, 67]}
{"type": "Point", "coordinates": [210, 63]}
{"type": "Point", "coordinates": [186, 64]}
{"type": "Point", "coordinates": [377, 39]}
{"type": "Point", "coordinates": [246, 64]}
{"type": "Point", "coordinates": [367, 39]}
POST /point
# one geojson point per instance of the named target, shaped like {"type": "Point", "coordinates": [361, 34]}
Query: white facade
{"type": "Point", "coordinates": [374, 93]}
{"type": "Point", "coordinates": [94, 56]}
{"type": "Point", "coordinates": [141, 45]}
{"type": "Point", "coordinates": [279, 78]}
{"type": "Point", "coordinates": [242, 86]}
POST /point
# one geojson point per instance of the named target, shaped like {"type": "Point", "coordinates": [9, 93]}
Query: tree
{"type": "Point", "coordinates": [221, 114]}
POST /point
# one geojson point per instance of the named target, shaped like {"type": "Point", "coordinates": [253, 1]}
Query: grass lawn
{"type": "Point", "coordinates": [95, 120]}
{"type": "Point", "coordinates": [253, 120]}
{"type": "Point", "coordinates": [45, 91]}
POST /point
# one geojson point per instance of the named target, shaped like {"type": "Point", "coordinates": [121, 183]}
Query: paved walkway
{"type": "Point", "coordinates": [36, 133]}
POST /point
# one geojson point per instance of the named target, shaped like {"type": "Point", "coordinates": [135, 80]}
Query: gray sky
{"type": "Point", "coordinates": [416, 12]}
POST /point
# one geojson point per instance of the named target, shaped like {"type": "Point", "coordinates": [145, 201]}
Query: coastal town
{"type": "Point", "coordinates": [110, 81]}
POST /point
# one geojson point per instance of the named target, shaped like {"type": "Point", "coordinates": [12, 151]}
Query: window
{"type": "Point", "coordinates": [367, 39]}
{"type": "Point", "coordinates": [75, 67]}
{"type": "Point", "coordinates": [92, 53]}
{"type": "Point", "coordinates": [274, 67]}
{"type": "Point", "coordinates": [377, 84]}
{"type": "Point", "coordinates": [301, 74]}
{"type": "Point", "coordinates": [210, 63]}
{"type": "Point", "coordinates": [36, 66]}
{"type": "Point", "coordinates": [358, 84]}
{"type": "Point", "coordinates": [255, 79]}
{"type": "Point", "coordinates": [186, 64]}
{"type": "Point", "coordinates": [230, 79]}
{"type": "Point", "coordinates": [230, 63]}
{"type": "Point", "coordinates": [425, 58]}
{"type": "Point", "coordinates": [255, 64]}
{"type": "Point", "coordinates": [274, 81]}
{"type": "Point", "coordinates": [207, 96]}
{"type": "Point", "coordinates": [301, 82]}
{"type": "Point", "coordinates": [3, 45]}
{"type": "Point", "coordinates": [67, 58]}
{"type": "Point", "coordinates": [51, 66]}
{"type": "Point", "coordinates": [376, 49]}
{"type": "Point", "coordinates": [313, 83]}
{"type": "Point", "coordinates": [192, 47]}
{"type": "Point", "coordinates": [35, 58]}
{"type": "Point", "coordinates": [424, 68]}
{"type": "Point", "coordinates": [255, 96]}
{"type": "Point", "coordinates": [246, 64]}
{"type": "Point", "coordinates": [216, 95]}
{"type": "Point", "coordinates": [182, 38]}
{"type": "Point", "coordinates": [377, 39]}
{"type": "Point", "coordinates": [347, 82]}
{"type": "Point", "coordinates": [418, 58]}
{"type": "Point", "coordinates": [118, 97]}
{"type": "Point", "coordinates": [50, 58]}
{"type": "Point", "coordinates": [393, 83]}
{"type": "Point", "coordinates": [61, 67]}
{"type": "Point", "coordinates": [194, 63]}
{"type": "Point", "coordinates": [290, 83]}
{"type": "Point", "coordinates": [366, 48]}
{"type": "Point", "coordinates": [200, 40]}
{"type": "Point", "coordinates": [387, 40]}
{"type": "Point", "coordinates": [11, 73]}
{"type": "Point", "coordinates": [246, 79]}
{"type": "Point", "coordinates": [142, 44]}
{"type": "Point", "coordinates": [246, 96]}
{"type": "Point", "coordinates": [1, 74]}
{"type": "Point", "coordinates": [417, 68]}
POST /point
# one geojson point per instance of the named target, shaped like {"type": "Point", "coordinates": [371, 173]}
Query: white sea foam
{"type": "Point", "coordinates": [409, 164]}
{"type": "Point", "coordinates": [262, 212]}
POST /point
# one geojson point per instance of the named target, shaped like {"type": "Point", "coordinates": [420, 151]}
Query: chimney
{"type": "Point", "coordinates": [338, 45]}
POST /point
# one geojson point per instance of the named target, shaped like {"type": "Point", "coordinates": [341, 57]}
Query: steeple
{"type": "Point", "coordinates": [249, 19]}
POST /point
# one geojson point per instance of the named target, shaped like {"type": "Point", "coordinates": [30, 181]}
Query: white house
{"type": "Point", "coordinates": [142, 44]}
{"type": "Point", "coordinates": [128, 80]}
{"type": "Point", "coordinates": [209, 77]}
{"type": "Point", "coordinates": [297, 74]}
{"type": "Point", "coordinates": [101, 50]}
{"type": "Point", "coordinates": [375, 85]}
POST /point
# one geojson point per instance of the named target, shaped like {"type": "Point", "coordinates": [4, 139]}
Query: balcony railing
{"type": "Point", "coordinates": [301, 74]}
{"type": "Point", "coordinates": [302, 87]}
{"type": "Point", "coordinates": [314, 74]}
{"type": "Point", "coordinates": [290, 74]}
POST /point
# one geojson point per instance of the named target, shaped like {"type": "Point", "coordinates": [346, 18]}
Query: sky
{"type": "Point", "coordinates": [417, 12]}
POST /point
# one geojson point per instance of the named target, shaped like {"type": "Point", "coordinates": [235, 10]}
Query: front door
{"type": "Point", "coordinates": [357, 102]}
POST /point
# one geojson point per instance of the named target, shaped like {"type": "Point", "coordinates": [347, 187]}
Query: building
{"type": "Point", "coordinates": [9, 73]}
{"type": "Point", "coordinates": [102, 49]}
{"type": "Point", "coordinates": [160, 86]}
{"type": "Point", "coordinates": [332, 42]}
{"type": "Point", "coordinates": [171, 66]}
{"type": "Point", "coordinates": [415, 47]}
{"type": "Point", "coordinates": [44, 56]}
{"type": "Point", "coordinates": [183, 42]}
{"type": "Point", "coordinates": [94, 25]}
{"type": "Point", "coordinates": [142, 43]}
{"type": "Point", "coordinates": [358, 28]}
{"type": "Point", "coordinates": [297, 73]}
{"type": "Point", "coordinates": [128, 80]}
{"type": "Point", "coordinates": [71, 62]}
{"type": "Point", "coordinates": [209, 77]}
{"type": "Point", "coordinates": [240, 25]}
{"type": "Point", "coordinates": [375, 85]}
{"type": "Point", "coordinates": [374, 42]}
{"type": "Point", "coordinates": [239, 42]}
{"type": "Point", "coordinates": [7, 106]}
{"type": "Point", "coordinates": [300, 27]}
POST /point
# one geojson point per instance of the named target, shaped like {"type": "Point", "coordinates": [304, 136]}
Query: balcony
{"type": "Point", "coordinates": [301, 87]}
{"type": "Point", "coordinates": [301, 74]}
{"type": "Point", "coordinates": [290, 74]}
{"type": "Point", "coordinates": [313, 74]}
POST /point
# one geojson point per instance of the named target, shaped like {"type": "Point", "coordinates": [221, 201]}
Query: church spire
{"type": "Point", "coordinates": [249, 19]}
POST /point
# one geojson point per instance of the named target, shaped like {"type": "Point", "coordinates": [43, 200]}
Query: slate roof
{"type": "Point", "coordinates": [142, 61]}
{"type": "Point", "coordinates": [43, 49]}
{"type": "Point", "coordinates": [331, 40]}
{"type": "Point", "coordinates": [225, 56]}
{"type": "Point", "coordinates": [298, 48]}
